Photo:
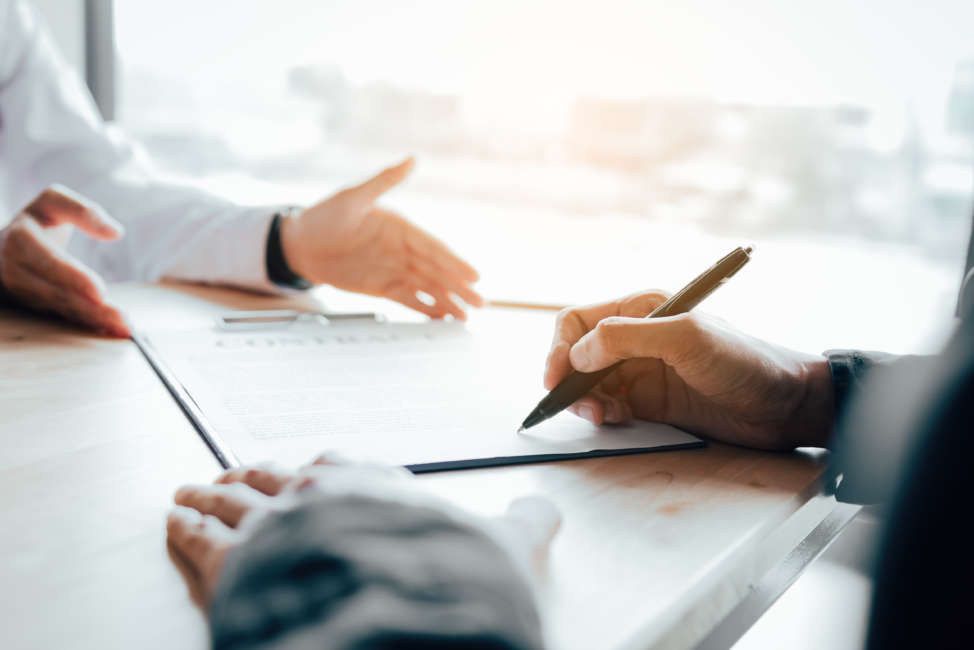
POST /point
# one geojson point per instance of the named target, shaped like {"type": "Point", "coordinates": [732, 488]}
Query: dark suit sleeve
{"type": "Point", "coordinates": [849, 369]}
{"type": "Point", "coordinates": [350, 572]}
{"type": "Point", "coordinates": [874, 392]}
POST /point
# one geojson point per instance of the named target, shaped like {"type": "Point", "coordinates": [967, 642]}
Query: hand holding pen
{"type": "Point", "coordinates": [693, 371]}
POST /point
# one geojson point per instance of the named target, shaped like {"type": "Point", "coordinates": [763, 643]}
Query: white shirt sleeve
{"type": "Point", "coordinates": [51, 132]}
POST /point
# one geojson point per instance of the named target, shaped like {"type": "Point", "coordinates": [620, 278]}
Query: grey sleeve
{"type": "Point", "coordinates": [354, 572]}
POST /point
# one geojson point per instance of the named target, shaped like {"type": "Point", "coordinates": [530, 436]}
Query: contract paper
{"type": "Point", "coordinates": [428, 396]}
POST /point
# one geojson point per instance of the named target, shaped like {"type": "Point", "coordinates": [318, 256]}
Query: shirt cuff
{"type": "Point", "coordinates": [239, 257]}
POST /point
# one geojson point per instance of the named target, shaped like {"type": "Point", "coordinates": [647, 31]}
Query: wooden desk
{"type": "Point", "coordinates": [654, 551]}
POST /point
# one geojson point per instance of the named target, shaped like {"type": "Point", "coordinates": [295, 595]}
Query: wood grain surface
{"type": "Point", "coordinates": [654, 549]}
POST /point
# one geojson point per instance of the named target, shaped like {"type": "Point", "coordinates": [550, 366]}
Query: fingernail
{"type": "Point", "coordinates": [587, 412]}
{"type": "Point", "coordinates": [114, 331]}
{"type": "Point", "coordinates": [112, 229]}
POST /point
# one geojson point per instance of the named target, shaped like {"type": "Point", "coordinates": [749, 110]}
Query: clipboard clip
{"type": "Point", "coordinates": [272, 318]}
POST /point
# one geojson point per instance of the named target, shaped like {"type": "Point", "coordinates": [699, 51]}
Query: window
{"type": "Point", "coordinates": [578, 150]}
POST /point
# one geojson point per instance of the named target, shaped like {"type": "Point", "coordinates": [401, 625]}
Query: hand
{"type": "Point", "coordinates": [209, 521]}
{"type": "Point", "coordinates": [37, 273]}
{"type": "Point", "coordinates": [350, 243]}
{"type": "Point", "coordinates": [693, 371]}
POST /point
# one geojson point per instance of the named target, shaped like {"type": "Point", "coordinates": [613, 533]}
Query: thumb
{"type": "Point", "coordinates": [58, 205]}
{"type": "Point", "coordinates": [382, 182]}
{"type": "Point", "coordinates": [617, 338]}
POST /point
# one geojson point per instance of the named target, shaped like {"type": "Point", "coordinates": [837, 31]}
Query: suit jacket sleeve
{"type": "Point", "coordinates": [869, 444]}
{"type": "Point", "coordinates": [353, 572]}
{"type": "Point", "coordinates": [878, 419]}
{"type": "Point", "coordinates": [51, 132]}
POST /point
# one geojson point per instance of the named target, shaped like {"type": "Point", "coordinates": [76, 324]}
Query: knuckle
{"type": "Point", "coordinates": [18, 234]}
{"type": "Point", "coordinates": [643, 301]}
{"type": "Point", "coordinates": [691, 325]}
{"type": "Point", "coordinates": [607, 333]}
{"type": "Point", "coordinates": [657, 295]}
{"type": "Point", "coordinates": [563, 316]}
{"type": "Point", "coordinates": [251, 474]}
{"type": "Point", "coordinates": [11, 276]}
{"type": "Point", "coordinates": [196, 542]}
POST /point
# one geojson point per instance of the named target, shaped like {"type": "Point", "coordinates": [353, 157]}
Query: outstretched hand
{"type": "Point", "coordinates": [350, 243]}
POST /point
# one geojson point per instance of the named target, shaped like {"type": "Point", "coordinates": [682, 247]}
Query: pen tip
{"type": "Point", "coordinates": [749, 249]}
{"type": "Point", "coordinates": [520, 429]}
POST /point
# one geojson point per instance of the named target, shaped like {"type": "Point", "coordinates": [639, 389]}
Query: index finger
{"type": "Point", "coordinates": [58, 204]}
{"type": "Point", "coordinates": [573, 323]}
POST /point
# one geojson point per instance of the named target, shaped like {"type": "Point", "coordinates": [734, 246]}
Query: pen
{"type": "Point", "coordinates": [577, 384]}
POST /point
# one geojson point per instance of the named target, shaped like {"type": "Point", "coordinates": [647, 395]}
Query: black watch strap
{"type": "Point", "coordinates": [278, 270]}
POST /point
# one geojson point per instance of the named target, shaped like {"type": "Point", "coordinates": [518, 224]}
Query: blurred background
{"type": "Point", "coordinates": [580, 150]}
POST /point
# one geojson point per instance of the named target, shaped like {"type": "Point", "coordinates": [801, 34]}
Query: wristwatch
{"type": "Point", "coordinates": [278, 270]}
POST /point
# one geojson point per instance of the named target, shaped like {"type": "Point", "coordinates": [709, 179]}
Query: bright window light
{"type": "Point", "coordinates": [575, 151]}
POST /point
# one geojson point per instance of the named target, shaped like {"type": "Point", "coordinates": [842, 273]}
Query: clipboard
{"type": "Point", "coordinates": [234, 320]}
{"type": "Point", "coordinates": [483, 437]}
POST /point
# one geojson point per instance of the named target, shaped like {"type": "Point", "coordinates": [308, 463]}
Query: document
{"type": "Point", "coordinates": [428, 396]}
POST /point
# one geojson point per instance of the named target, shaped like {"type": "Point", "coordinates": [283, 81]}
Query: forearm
{"type": "Point", "coordinates": [176, 232]}
{"type": "Point", "coordinates": [52, 133]}
{"type": "Point", "coordinates": [354, 572]}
